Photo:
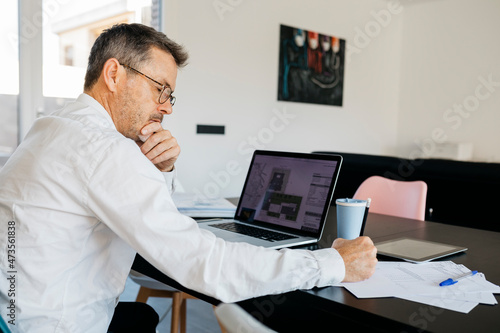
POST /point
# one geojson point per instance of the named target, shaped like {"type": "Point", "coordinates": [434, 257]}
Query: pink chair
{"type": "Point", "coordinates": [394, 197]}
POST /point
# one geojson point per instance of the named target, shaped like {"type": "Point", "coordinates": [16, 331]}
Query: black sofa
{"type": "Point", "coordinates": [459, 193]}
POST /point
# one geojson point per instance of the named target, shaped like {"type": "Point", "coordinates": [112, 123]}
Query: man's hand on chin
{"type": "Point", "coordinates": [159, 146]}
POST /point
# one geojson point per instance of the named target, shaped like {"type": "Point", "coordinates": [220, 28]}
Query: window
{"type": "Point", "coordinates": [68, 31]}
{"type": "Point", "coordinates": [69, 55]}
{"type": "Point", "coordinates": [9, 80]}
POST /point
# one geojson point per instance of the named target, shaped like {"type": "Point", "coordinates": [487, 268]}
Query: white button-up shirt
{"type": "Point", "coordinates": [78, 200]}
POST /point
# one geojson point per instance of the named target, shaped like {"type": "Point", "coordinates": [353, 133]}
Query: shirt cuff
{"type": "Point", "coordinates": [331, 265]}
{"type": "Point", "coordinates": [170, 179]}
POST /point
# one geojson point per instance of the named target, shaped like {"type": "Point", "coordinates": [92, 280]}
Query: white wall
{"type": "Point", "coordinates": [448, 45]}
{"type": "Point", "coordinates": [232, 80]}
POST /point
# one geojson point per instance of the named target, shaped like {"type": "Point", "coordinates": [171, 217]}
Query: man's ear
{"type": "Point", "coordinates": [111, 74]}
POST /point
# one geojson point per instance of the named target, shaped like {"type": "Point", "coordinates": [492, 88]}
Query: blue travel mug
{"type": "Point", "coordinates": [350, 217]}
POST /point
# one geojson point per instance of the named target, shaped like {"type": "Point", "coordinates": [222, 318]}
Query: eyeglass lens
{"type": "Point", "coordinates": [167, 95]}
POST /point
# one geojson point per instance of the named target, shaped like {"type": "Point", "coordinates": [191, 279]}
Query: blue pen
{"type": "Point", "coordinates": [451, 281]}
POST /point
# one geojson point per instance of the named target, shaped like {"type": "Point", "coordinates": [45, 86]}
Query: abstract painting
{"type": "Point", "coordinates": [311, 67]}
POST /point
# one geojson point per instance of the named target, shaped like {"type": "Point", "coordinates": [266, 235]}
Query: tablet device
{"type": "Point", "coordinates": [416, 250]}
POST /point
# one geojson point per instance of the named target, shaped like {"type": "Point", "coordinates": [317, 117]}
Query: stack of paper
{"type": "Point", "coordinates": [193, 205]}
{"type": "Point", "coordinates": [420, 283]}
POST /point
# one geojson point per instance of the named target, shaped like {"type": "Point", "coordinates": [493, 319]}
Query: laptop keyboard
{"type": "Point", "coordinates": [268, 235]}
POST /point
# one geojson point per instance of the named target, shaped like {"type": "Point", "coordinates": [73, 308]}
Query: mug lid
{"type": "Point", "coordinates": [351, 202]}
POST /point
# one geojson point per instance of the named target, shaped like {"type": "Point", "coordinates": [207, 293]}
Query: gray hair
{"type": "Point", "coordinates": [130, 44]}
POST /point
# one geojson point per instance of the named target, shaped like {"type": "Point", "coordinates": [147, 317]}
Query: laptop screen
{"type": "Point", "coordinates": [290, 190]}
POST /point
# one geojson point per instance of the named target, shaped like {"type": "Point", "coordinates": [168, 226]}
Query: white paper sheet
{"type": "Point", "coordinates": [191, 205]}
{"type": "Point", "coordinates": [420, 283]}
{"type": "Point", "coordinates": [454, 305]}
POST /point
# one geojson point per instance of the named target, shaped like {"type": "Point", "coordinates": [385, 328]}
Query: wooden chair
{"type": "Point", "coordinates": [152, 288]}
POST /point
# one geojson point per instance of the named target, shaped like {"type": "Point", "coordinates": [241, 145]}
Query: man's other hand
{"type": "Point", "coordinates": [159, 146]}
{"type": "Point", "coordinates": [360, 257]}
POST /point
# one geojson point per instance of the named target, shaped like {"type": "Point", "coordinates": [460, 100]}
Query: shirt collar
{"type": "Point", "coordinates": [90, 101]}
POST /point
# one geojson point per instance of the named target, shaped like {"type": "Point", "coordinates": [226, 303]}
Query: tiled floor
{"type": "Point", "coordinates": [200, 315]}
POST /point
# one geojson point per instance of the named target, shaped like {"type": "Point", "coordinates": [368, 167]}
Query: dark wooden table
{"type": "Point", "coordinates": [312, 310]}
{"type": "Point", "coordinates": [333, 307]}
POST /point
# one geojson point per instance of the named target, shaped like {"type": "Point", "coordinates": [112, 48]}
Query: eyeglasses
{"type": "Point", "coordinates": [165, 93]}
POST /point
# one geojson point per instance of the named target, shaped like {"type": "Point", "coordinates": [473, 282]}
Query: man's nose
{"type": "Point", "coordinates": [165, 108]}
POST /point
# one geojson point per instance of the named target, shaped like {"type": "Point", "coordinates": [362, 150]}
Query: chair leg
{"type": "Point", "coordinates": [143, 295]}
{"type": "Point", "coordinates": [179, 306]}
{"type": "Point", "coordinates": [183, 314]}
{"type": "Point", "coordinates": [176, 312]}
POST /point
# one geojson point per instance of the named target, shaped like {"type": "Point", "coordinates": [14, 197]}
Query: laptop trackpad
{"type": "Point", "coordinates": [233, 236]}
{"type": "Point", "coordinates": [227, 235]}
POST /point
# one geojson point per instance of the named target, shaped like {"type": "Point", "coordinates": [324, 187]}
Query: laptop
{"type": "Point", "coordinates": [284, 202]}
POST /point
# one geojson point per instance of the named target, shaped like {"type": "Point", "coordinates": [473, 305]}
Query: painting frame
{"type": "Point", "coordinates": [311, 67]}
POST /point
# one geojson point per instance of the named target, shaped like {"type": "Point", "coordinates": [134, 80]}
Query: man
{"type": "Point", "coordinates": [90, 186]}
